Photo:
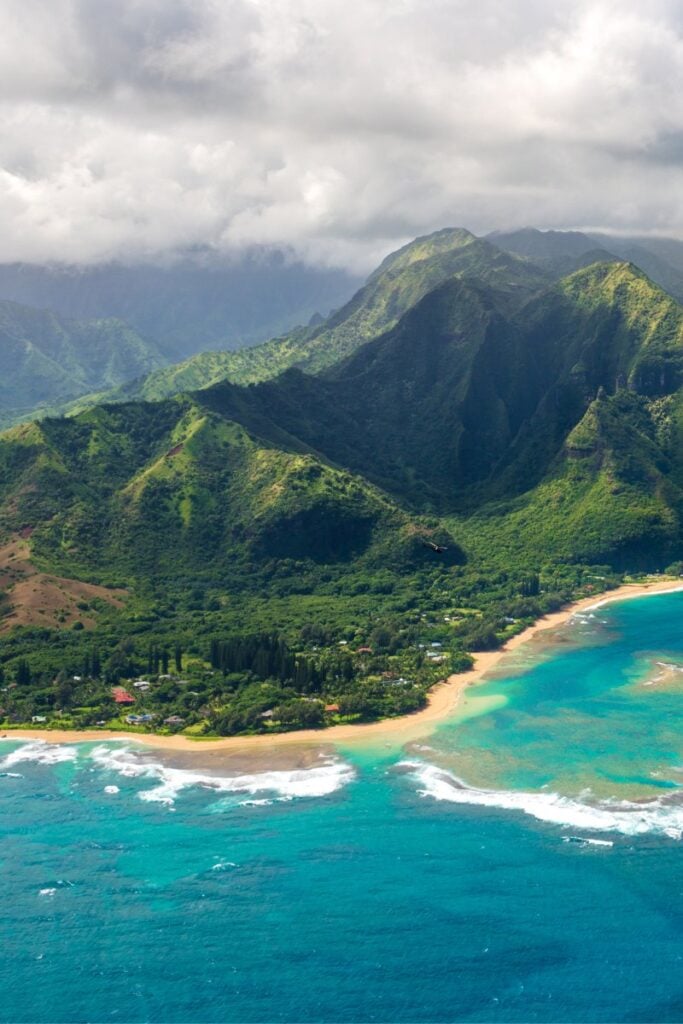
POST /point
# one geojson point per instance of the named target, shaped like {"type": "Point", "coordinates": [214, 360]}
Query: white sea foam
{"type": "Point", "coordinates": [305, 782]}
{"type": "Point", "coordinates": [11, 775]}
{"type": "Point", "coordinates": [585, 841]}
{"type": "Point", "coordinates": [223, 865]}
{"type": "Point", "coordinates": [47, 892]}
{"type": "Point", "coordinates": [39, 752]}
{"type": "Point", "coordinates": [112, 789]}
{"type": "Point", "coordinates": [662, 816]}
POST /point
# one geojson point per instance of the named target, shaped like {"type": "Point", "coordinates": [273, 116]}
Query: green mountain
{"type": "Point", "coordinates": [554, 423]}
{"type": "Point", "coordinates": [397, 285]}
{"type": "Point", "coordinates": [45, 359]}
{"type": "Point", "coordinates": [572, 402]}
{"type": "Point", "coordinates": [561, 252]}
{"type": "Point", "coordinates": [164, 489]}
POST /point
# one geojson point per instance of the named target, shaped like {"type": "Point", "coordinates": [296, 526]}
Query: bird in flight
{"type": "Point", "coordinates": [438, 548]}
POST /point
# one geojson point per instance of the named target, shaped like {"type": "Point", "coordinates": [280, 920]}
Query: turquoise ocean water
{"type": "Point", "coordinates": [524, 862]}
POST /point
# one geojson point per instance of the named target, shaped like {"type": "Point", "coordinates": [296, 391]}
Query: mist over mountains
{"type": "Point", "coordinates": [464, 382]}
{"type": "Point", "coordinates": [190, 304]}
{"type": "Point", "coordinates": [216, 315]}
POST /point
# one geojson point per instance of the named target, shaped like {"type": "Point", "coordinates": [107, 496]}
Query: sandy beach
{"type": "Point", "coordinates": [442, 701]}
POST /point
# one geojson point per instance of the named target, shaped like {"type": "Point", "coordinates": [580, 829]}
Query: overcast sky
{"type": "Point", "coordinates": [337, 128]}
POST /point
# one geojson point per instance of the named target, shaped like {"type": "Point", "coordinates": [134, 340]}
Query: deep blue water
{"type": "Point", "coordinates": [399, 895]}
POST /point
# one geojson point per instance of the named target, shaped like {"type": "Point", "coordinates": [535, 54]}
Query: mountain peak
{"type": "Point", "coordinates": [606, 280]}
{"type": "Point", "coordinates": [425, 247]}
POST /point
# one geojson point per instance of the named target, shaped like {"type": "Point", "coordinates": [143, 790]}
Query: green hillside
{"type": "Point", "coordinates": [398, 284]}
{"type": "Point", "coordinates": [45, 359]}
{"type": "Point", "coordinates": [463, 404]}
{"type": "Point", "coordinates": [460, 405]}
{"type": "Point", "coordinates": [165, 489]}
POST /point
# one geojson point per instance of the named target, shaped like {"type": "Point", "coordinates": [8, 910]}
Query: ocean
{"type": "Point", "coordinates": [523, 862]}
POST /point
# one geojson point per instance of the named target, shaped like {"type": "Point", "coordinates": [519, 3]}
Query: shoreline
{"type": "Point", "coordinates": [441, 700]}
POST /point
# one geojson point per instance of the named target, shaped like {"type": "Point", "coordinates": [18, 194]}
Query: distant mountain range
{"type": "Point", "coordinates": [561, 252]}
{"type": "Point", "coordinates": [402, 279]}
{"type": "Point", "coordinates": [538, 257]}
{"type": "Point", "coordinates": [466, 394]}
{"type": "Point", "coordinates": [46, 359]}
{"type": "Point", "coordinates": [190, 305]}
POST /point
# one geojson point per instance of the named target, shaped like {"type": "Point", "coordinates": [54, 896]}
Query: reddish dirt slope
{"type": "Point", "coordinates": [33, 598]}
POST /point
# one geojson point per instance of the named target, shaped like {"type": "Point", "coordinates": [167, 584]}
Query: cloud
{"type": "Point", "coordinates": [135, 129]}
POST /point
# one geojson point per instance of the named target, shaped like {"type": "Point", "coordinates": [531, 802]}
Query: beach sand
{"type": "Point", "coordinates": [297, 748]}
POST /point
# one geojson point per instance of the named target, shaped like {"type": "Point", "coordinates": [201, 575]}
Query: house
{"type": "Point", "coordinates": [139, 719]}
{"type": "Point", "coordinates": [174, 720]}
{"type": "Point", "coordinates": [142, 684]}
{"type": "Point", "coordinates": [331, 707]}
{"type": "Point", "coordinates": [38, 718]}
{"type": "Point", "coordinates": [266, 714]}
{"type": "Point", "coordinates": [364, 650]}
{"type": "Point", "coordinates": [121, 696]}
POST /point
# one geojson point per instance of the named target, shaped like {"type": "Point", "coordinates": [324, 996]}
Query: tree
{"type": "Point", "coordinates": [261, 663]}
{"type": "Point", "coordinates": [300, 714]}
{"type": "Point", "coordinates": [64, 690]}
{"type": "Point", "coordinates": [22, 673]}
{"type": "Point", "coordinates": [531, 585]}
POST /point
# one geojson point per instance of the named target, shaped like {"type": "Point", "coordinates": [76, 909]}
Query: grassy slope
{"type": "Point", "coordinates": [122, 492]}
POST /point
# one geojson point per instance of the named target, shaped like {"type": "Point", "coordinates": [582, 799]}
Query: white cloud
{"type": "Point", "coordinates": [135, 128]}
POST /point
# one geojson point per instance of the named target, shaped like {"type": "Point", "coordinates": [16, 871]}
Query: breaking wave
{"type": "Point", "coordinates": [321, 780]}
{"type": "Point", "coordinates": [39, 752]}
{"type": "Point", "coordinates": [662, 816]}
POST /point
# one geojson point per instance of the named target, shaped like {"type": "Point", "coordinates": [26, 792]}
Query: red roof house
{"type": "Point", "coordinates": [122, 696]}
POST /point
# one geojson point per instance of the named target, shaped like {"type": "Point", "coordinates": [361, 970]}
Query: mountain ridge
{"type": "Point", "coordinates": [400, 280]}
{"type": "Point", "coordinates": [460, 405]}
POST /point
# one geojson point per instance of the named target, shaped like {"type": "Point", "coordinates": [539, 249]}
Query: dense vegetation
{"type": "Point", "coordinates": [328, 646]}
{"type": "Point", "coordinates": [320, 548]}
{"type": "Point", "coordinates": [46, 359]}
